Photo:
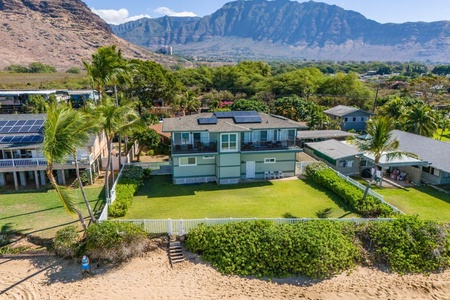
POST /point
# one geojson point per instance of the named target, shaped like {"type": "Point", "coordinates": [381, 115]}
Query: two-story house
{"type": "Point", "coordinates": [349, 118]}
{"type": "Point", "coordinates": [22, 162]}
{"type": "Point", "coordinates": [227, 147]}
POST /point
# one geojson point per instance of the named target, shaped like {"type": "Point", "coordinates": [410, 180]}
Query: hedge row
{"type": "Point", "coordinates": [371, 207]}
{"type": "Point", "coordinates": [131, 179]}
{"type": "Point", "coordinates": [322, 248]}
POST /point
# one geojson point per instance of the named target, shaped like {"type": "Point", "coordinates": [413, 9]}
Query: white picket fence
{"type": "Point", "coordinates": [181, 227]}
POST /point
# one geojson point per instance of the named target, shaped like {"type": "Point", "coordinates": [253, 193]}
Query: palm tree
{"type": "Point", "coordinates": [65, 130]}
{"type": "Point", "coordinates": [382, 142]}
{"type": "Point", "coordinates": [114, 120]}
{"type": "Point", "coordinates": [106, 68]}
{"type": "Point", "coordinates": [420, 119]}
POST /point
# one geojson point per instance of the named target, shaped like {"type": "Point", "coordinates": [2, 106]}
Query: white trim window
{"type": "Point", "coordinates": [187, 161]}
{"type": "Point", "coordinates": [271, 160]}
{"type": "Point", "coordinates": [228, 142]}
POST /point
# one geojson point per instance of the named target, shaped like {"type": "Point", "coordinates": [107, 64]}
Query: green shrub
{"type": "Point", "coordinates": [409, 245]}
{"type": "Point", "coordinates": [73, 70]}
{"type": "Point", "coordinates": [353, 196]}
{"type": "Point", "coordinates": [131, 179]}
{"type": "Point", "coordinates": [150, 152]}
{"type": "Point", "coordinates": [318, 249]}
{"type": "Point", "coordinates": [116, 241]}
{"type": "Point", "coordinates": [147, 173]}
{"type": "Point", "coordinates": [16, 69]}
{"type": "Point", "coordinates": [67, 242]}
{"type": "Point", "coordinates": [38, 67]}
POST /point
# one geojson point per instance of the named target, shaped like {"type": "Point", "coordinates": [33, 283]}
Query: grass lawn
{"type": "Point", "coordinates": [41, 213]}
{"type": "Point", "coordinates": [424, 201]}
{"type": "Point", "coordinates": [160, 199]}
{"type": "Point", "coordinates": [445, 135]}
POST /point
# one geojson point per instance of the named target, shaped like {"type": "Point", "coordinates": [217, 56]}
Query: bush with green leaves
{"type": "Point", "coordinates": [116, 241]}
{"type": "Point", "coordinates": [73, 70]}
{"type": "Point", "coordinates": [317, 249]}
{"type": "Point", "coordinates": [131, 179]}
{"type": "Point", "coordinates": [67, 243]}
{"type": "Point", "coordinates": [408, 244]}
{"type": "Point", "coordinates": [370, 207]}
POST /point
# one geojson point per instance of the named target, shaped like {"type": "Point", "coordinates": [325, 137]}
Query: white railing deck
{"type": "Point", "coordinates": [181, 227]}
{"type": "Point", "coordinates": [38, 161]}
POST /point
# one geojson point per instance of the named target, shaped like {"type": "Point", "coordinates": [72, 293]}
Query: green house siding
{"type": "Point", "coordinates": [228, 167]}
{"type": "Point", "coordinates": [284, 161]}
{"type": "Point", "coordinates": [205, 167]}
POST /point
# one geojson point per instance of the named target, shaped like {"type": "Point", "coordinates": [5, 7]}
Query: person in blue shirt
{"type": "Point", "coordinates": [85, 265]}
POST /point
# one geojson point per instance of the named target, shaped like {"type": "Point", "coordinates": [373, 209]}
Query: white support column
{"type": "Point", "coordinates": [23, 178]}
{"type": "Point", "coordinates": [91, 180]}
{"type": "Point", "coordinates": [43, 178]}
{"type": "Point", "coordinates": [2, 179]}
{"type": "Point", "coordinates": [16, 182]}
{"type": "Point", "coordinates": [36, 178]}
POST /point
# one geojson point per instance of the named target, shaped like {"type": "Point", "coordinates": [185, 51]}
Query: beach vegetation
{"type": "Point", "coordinates": [115, 241]}
{"type": "Point", "coordinates": [322, 248]}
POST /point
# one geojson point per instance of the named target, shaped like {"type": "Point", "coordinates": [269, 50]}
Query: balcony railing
{"type": "Point", "coordinates": [39, 161]}
{"type": "Point", "coordinates": [210, 147]}
{"type": "Point", "coordinates": [268, 145]}
{"type": "Point", "coordinates": [245, 146]}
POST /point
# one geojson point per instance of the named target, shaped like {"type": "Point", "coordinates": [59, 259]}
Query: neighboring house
{"type": "Point", "coordinates": [78, 98]}
{"type": "Point", "coordinates": [307, 136]}
{"type": "Point", "coordinates": [21, 158]}
{"type": "Point", "coordinates": [227, 147]}
{"type": "Point", "coordinates": [349, 118]}
{"type": "Point", "coordinates": [338, 155]}
{"type": "Point", "coordinates": [435, 152]}
{"type": "Point", "coordinates": [164, 136]}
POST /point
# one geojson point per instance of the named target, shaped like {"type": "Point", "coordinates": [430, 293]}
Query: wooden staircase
{"type": "Point", "coordinates": [175, 252]}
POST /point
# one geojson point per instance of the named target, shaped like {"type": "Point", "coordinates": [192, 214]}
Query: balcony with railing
{"type": "Point", "coordinates": [268, 145]}
{"type": "Point", "coordinates": [197, 147]}
{"type": "Point", "coordinates": [40, 161]}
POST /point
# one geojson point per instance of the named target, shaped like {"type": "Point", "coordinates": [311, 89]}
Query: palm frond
{"type": "Point", "coordinates": [67, 199]}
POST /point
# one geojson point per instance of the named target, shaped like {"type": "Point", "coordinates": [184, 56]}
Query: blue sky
{"type": "Point", "coordinates": [383, 11]}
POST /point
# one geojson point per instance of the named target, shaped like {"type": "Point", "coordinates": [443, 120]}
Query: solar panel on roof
{"type": "Point", "coordinates": [30, 122]}
{"type": "Point", "coordinates": [5, 129]}
{"type": "Point", "coordinates": [16, 139]}
{"type": "Point", "coordinates": [6, 139]}
{"type": "Point", "coordinates": [35, 128]}
{"type": "Point", "coordinates": [3, 123]}
{"type": "Point", "coordinates": [39, 122]}
{"type": "Point", "coordinates": [20, 122]}
{"type": "Point", "coordinates": [24, 129]}
{"type": "Point", "coordinates": [223, 114]}
{"type": "Point", "coordinates": [26, 139]}
{"type": "Point", "coordinates": [205, 121]}
{"type": "Point", "coordinates": [37, 139]}
{"type": "Point", "coordinates": [247, 119]}
{"type": "Point", "coordinates": [11, 123]}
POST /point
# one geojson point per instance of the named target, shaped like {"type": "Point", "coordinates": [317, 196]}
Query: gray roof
{"type": "Point", "coordinates": [13, 117]}
{"type": "Point", "coordinates": [334, 149]}
{"type": "Point", "coordinates": [433, 151]}
{"type": "Point", "coordinates": [190, 123]}
{"type": "Point", "coordinates": [322, 134]}
{"type": "Point", "coordinates": [342, 110]}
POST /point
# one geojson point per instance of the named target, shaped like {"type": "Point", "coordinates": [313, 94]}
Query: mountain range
{"type": "Point", "coordinates": [281, 29]}
{"type": "Point", "coordinates": [58, 32]}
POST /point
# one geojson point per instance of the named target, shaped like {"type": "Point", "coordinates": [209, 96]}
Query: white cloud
{"type": "Point", "coordinates": [165, 11]}
{"type": "Point", "coordinates": [112, 16]}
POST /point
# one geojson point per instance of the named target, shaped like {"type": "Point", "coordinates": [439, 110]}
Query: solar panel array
{"type": "Point", "coordinates": [16, 139]}
{"type": "Point", "coordinates": [232, 114]}
{"type": "Point", "coordinates": [247, 119]}
{"type": "Point", "coordinates": [21, 126]}
{"type": "Point", "coordinates": [205, 121]}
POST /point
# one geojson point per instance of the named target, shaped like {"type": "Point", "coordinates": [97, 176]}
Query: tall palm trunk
{"type": "Point", "coordinates": [108, 166]}
{"type": "Point", "coordinates": [52, 179]}
{"type": "Point", "coordinates": [80, 183]}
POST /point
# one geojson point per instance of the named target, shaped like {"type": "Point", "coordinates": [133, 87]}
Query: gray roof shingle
{"type": "Point", "coordinates": [428, 149]}
{"type": "Point", "coordinates": [190, 123]}
{"type": "Point", "coordinates": [334, 149]}
{"type": "Point", "coordinates": [342, 110]}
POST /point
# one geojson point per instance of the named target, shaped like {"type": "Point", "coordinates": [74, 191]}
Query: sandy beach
{"type": "Point", "coordinates": [152, 277]}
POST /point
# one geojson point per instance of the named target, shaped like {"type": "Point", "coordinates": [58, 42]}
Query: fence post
{"type": "Point", "coordinates": [169, 226]}
{"type": "Point", "coordinates": [180, 228]}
